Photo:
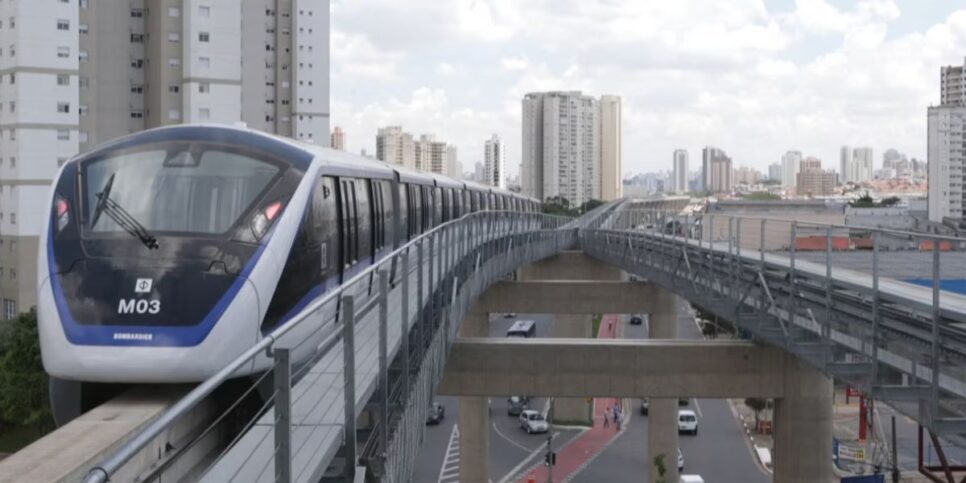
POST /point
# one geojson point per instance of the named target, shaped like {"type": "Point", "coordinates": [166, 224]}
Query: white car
{"type": "Point", "coordinates": [691, 479]}
{"type": "Point", "coordinates": [687, 421]}
{"type": "Point", "coordinates": [680, 461]}
{"type": "Point", "coordinates": [532, 421]}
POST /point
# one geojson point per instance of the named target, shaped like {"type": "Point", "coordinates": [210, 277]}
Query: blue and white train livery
{"type": "Point", "coordinates": [169, 252]}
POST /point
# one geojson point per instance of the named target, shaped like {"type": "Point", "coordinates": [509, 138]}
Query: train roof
{"type": "Point", "coordinates": [341, 163]}
{"type": "Point", "coordinates": [408, 175]}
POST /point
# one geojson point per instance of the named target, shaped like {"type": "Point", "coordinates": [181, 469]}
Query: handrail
{"type": "Point", "coordinates": [102, 472]}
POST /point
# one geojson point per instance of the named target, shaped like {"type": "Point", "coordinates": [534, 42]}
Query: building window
{"type": "Point", "coordinates": [174, 12]}
{"type": "Point", "coordinates": [137, 63]}
{"type": "Point", "coordinates": [82, 110]}
{"type": "Point", "coordinates": [137, 12]}
{"type": "Point", "coordinates": [204, 62]}
{"type": "Point", "coordinates": [174, 88]}
{"type": "Point", "coordinates": [61, 161]}
{"type": "Point", "coordinates": [13, 137]}
{"type": "Point", "coordinates": [83, 56]}
{"type": "Point", "coordinates": [137, 114]}
{"type": "Point", "coordinates": [174, 114]}
{"type": "Point", "coordinates": [137, 88]}
{"type": "Point", "coordinates": [82, 28]}
{"type": "Point", "coordinates": [204, 11]}
{"type": "Point", "coordinates": [13, 106]}
{"type": "Point", "coordinates": [13, 50]}
{"type": "Point", "coordinates": [203, 36]}
{"type": "Point", "coordinates": [63, 79]}
{"type": "Point", "coordinates": [63, 107]}
{"type": "Point", "coordinates": [63, 135]}
{"type": "Point", "coordinates": [63, 24]}
{"type": "Point", "coordinates": [13, 221]}
{"type": "Point", "coordinates": [204, 87]}
{"type": "Point", "coordinates": [174, 37]}
{"type": "Point", "coordinates": [13, 78]}
{"type": "Point", "coordinates": [84, 82]}
{"type": "Point", "coordinates": [13, 159]}
{"type": "Point", "coordinates": [174, 62]}
{"type": "Point", "coordinates": [204, 114]}
{"type": "Point", "coordinates": [12, 22]}
{"type": "Point", "coordinates": [137, 38]}
{"type": "Point", "coordinates": [63, 52]}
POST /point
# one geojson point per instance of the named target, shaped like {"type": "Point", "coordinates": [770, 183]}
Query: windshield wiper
{"type": "Point", "coordinates": [105, 205]}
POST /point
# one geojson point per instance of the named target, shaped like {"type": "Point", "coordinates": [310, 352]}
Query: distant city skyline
{"type": "Point", "coordinates": [810, 76]}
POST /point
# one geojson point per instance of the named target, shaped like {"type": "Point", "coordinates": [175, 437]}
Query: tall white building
{"type": "Point", "coordinates": [846, 165]}
{"type": "Point", "coordinates": [946, 136]}
{"type": "Point", "coordinates": [494, 163]}
{"type": "Point", "coordinates": [863, 168]}
{"type": "Point", "coordinates": [561, 146]}
{"type": "Point", "coordinates": [454, 168]}
{"type": "Point", "coordinates": [791, 166]}
{"type": "Point", "coordinates": [611, 149]}
{"type": "Point", "coordinates": [679, 176]}
{"type": "Point", "coordinates": [74, 74]}
{"type": "Point", "coordinates": [775, 171]}
{"type": "Point", "coordinates": [718, 174]}
{"type": "Point", "coordinates": [395, 146]}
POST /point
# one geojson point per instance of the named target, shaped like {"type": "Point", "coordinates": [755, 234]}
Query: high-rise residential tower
{"type": "Point", "coordinates": [79, 73]}
{"type": "Point", "coordinates": [679, 175]}
{"type": "Point", "coordinates": [863, 167]}
{"type": "Point", "coordinates": [561, 146]}
{"type": "Point", "coordinates": [791, 165]}
{"type": "Point", "coordinates": [494, 162]}
{"type": "Point", "coordinates": [846, 166]}
{"type": "Point", "coordinates": [946, 136]}
{"type": "Point", "coordinates": [337, 139]}
{"type": "Point", "coordinates": [611, 137]}
{"type": "Point", "coordinates": [775, 172]}
{"type": "Point", "coordinates": [718, 176]}
{"type": "Point", "coordinates": [395, 146]}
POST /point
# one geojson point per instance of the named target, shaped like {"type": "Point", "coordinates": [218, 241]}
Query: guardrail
{"type": "Point", "coordinates": [881, 309]}
{"type": "Point", "coordinates": [374, 344]}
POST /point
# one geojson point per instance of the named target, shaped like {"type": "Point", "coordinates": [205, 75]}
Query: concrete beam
{"type": "Point", "coordinates": [613, 368]}
{"type": "Point", "coordinates": [566, 297]}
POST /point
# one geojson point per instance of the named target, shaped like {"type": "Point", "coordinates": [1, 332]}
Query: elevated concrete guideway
{"type": "Point", "coordinates": [615, 368]}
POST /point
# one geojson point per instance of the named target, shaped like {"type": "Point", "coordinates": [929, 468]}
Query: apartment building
{"type": "Point", "coordinates": [494, 162]}
{"type": "Point", "coordinates": [77, 73]}
{"type": "Point", "coordinates": [679, 176]}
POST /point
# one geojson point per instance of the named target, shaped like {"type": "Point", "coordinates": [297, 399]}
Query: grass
{"type": "Point", "coordinates": [13, 438]}
{"type": "Point", "coordinates": [596, 327]}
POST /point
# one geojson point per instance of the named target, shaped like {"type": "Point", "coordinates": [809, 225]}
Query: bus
{"type": "Point", "coordinates": [522, 328]}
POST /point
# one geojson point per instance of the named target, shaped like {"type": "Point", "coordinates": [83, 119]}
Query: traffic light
{"type": "Point", "coordinates": [550, 459]}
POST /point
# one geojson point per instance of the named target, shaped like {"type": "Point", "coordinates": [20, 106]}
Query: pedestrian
{"type": "Point", "coordinates": [607, 416]}
{"type": "Point", "coordinates": [618, 420]}
{"type": "Point", "coordinates": [617, 415]}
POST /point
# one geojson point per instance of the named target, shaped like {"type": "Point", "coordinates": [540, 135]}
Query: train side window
{"type": "Point", "coordinates": [325, 225]}
{"type": "Point", "coordinates": [346, 222]}
{"type": "Point", "coordinates": [364, 220]}
{"type": "Point", "coordinates": [402, 211]}
{"type": "Point", "coordinates": [445, 203]}
{"type": "Point", "coordinates": [375, 214]}
{"type": "Point", "coordinates": [416, 215]}
{"type": "Point", "coordinates": [437, 206]}
{"type": "Point", "coordinates": [475, 200]}
{"type": "Point", "coordinates": [427, 208]}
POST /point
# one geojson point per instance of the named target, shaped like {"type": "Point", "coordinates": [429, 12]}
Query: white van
{"type": "Point", "coordinates": [687, 422]}
{"type": "Point", "coordinates": [691, 479]}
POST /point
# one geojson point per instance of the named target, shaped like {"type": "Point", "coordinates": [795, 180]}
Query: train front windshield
{"type": "Point", "coordinates": [185, 188]}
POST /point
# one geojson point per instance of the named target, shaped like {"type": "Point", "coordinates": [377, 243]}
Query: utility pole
{"type": "Point", "coordinates": [895, 455]}
{"type": "Point", "coordinates": [550, 458]}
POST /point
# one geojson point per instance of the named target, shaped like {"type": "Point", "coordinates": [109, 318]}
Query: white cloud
{"type": "Point", "coordinates": [755, 81]}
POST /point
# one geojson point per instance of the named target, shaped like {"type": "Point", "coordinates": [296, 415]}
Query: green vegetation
{"type": "Point", "coordinates": [596, 327]}
{"type": "Point", "coordinates": [867, 201]}
{"type": "Point", "coordinates": [758, 405]}
{"type": "Point", "coordinates": [558, 205]}
{"type": "Point", "coordinates": [661, 468]}
{"type": "Point", "coordinates": [24, 407]}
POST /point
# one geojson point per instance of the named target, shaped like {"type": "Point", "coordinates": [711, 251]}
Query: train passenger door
{"type": "Point", "coordinates": [326, 225]}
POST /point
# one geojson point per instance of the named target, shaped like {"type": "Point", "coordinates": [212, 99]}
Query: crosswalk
{"type": "Point", "coordinates": [449, 472]}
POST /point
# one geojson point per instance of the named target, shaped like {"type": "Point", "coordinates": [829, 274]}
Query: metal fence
{"type": "Point", "coordinates": [883, 310]}
{"type": "Point", "coordinates": [349, 380]}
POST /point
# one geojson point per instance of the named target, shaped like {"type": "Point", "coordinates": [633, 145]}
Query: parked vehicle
{"type": "Point", "coordinates": [644, 407]}
{"type": "Point", "coordinates": [680, 461]}
{"type": "Point", "coordinates": [691, 479]}
{"type": "Point", "coordinates": [509, 315]}
{"type": "Point", "coordinates": [436, 413]}
{"type": "Point", "coordinates": [638, 319]}
{"type": "Point", "coordinates": [687, 422]}
{"type": "Point", "coordinates": [522, 328]}
{"type": "Point", "coordinates": [516, 404]}
{"type": "Point", "coordinates": [532, 422]}
{"type": "Point", "coordinates": [683, 401]}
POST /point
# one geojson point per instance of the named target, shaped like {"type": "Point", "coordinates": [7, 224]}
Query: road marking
{"type": "Point", "coordinates": [514, 443]}
{"type": "Point", "coordinates": [449, 471]}
{"type": "Point", "coordinates": [751, 450]}
{"type": "Point", "coordinates": [518, 469]}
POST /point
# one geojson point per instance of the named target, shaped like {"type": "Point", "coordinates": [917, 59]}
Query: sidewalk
{"type": "Point", "coordinates": [582, 449]}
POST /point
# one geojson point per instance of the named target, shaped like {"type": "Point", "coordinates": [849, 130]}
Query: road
{"type": "Point", "coordinates": [511, 449]}
{"type": "Point", "coordinates": [719, 453]}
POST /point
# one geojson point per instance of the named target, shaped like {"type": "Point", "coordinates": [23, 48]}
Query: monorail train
{"type": "Point", "coordinates": [171, 251]}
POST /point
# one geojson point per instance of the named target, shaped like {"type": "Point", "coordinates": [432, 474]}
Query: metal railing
{"type": "Point", "coordinates": [374, 345]}
{"type": "Point", "coordinates": [881, 309]}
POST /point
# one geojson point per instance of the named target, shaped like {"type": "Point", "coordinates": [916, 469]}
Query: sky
{"type": "Point", "coordinates": [753, 77]}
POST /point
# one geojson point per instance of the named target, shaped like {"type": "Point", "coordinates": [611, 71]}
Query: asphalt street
{"type": "Point", "coordinates": [511, 449]}
{"type": "Point", "coordinates": [719, 453]}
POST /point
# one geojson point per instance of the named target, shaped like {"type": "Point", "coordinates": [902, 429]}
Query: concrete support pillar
{"type": "Point", "coordinates": [474, 416]}
{"type": "Point", "coordinates": [662, 430]}
{"type": "Point", "coordinates": [803, 426]}
{"type": "Point", "coordinates": [572, 411]}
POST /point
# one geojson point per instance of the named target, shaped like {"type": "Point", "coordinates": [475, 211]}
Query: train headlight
{"type": "Point", "coordinates": [263, 219]}
{"type": "Point", "coordinates": [62, 211]}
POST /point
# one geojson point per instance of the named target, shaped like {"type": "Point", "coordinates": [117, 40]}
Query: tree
{"type": "Point", "coordinates": [864, 201]}
{"type": "Point", "coordinates": [24, 399]}
{"type": "Point", "coordinates": [757, 405]}
{"type": "Point", "coordinates": [557, 205]}
{"type": "Point", "coordinates": [589, 205]}
{"type": "Point", "coordinates": [890, 201]}
{"type": "Point", "coordinates": [762, 196]}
